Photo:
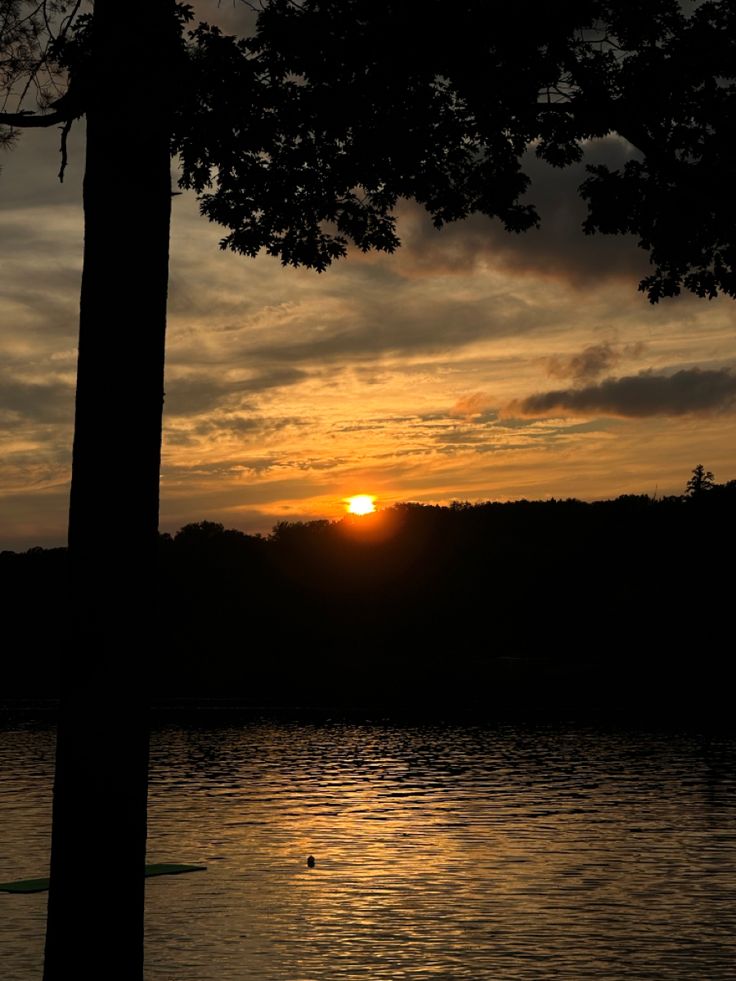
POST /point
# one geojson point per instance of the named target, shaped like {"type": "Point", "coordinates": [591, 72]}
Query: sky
{"type": "Point", "coordinates": [471, 365]}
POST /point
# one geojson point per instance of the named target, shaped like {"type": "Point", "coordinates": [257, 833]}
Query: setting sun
{"type": "Point", "coordinates": [361, 504]}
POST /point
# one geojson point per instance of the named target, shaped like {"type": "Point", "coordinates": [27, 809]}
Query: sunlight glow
{"type": "Point", "coordinates": [361, 504]}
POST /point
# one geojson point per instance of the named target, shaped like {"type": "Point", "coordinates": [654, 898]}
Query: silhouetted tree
{"type": "Point", "coordinates": [700, 482]}
{"type": "Point", "coordinates": [300, 141]}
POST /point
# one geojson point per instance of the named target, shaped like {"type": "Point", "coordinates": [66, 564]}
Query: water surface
{"type": "Point", "coordinates": [441, 852]}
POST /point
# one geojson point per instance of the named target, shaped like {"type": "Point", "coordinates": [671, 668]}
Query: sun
{"type": "Point", "coordinates": [361, 504]}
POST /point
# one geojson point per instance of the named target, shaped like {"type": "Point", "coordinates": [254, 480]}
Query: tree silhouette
{"type": "Point", "coordinates": [300, 141]}
{"type": "Point", "coordinates": [700, 482]}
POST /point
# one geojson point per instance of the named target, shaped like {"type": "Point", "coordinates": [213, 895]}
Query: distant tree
{"type": "Point", "coordinates": [199, 531]}
{"type": "Point", "coordinates": [299, 531]}
{"type": "Point", "coordinates": [700, 482]}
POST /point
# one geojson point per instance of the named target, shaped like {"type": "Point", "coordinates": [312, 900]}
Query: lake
{"type": "Point", "coordinates": [441, 851]}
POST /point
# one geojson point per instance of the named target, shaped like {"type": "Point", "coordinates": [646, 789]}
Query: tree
{"type": "Point", "coordinates": [700, 482]}
{"type": "Point", "coordinates": [478, 88]}
{"type": "Point", "coordinates": [300, 141]}
{"type": "Point", "coordinates": [101, 771]}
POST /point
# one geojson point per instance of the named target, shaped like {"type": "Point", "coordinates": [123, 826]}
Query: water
{"type": "Point", "coordinates": [441, 852]}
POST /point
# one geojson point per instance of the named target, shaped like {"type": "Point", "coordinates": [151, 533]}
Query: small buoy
{"type": "Point", "coordinates": [310, 861]}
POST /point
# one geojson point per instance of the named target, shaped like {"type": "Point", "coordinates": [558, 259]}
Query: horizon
{"type": "Point", "coordinates": [343, 512]}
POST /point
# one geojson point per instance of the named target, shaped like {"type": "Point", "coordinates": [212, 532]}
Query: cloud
{"type": "Point", "coordinates": [592, 361]}
{"type": "Point", "coordinates": [49, 400]}
{"type": "Point", "coordinates": [28, 172]}
{"type": "Point", "coordinates": [403, 324]}
{"type": "Point", "coordinates": [688, 391]}
{"type": "Point", "coordinates": [472, 406]}
{"type": "Point", "coordinates": [558, 249]}
{"type": "Point", "coordinates": [204, 392]}
{"type": "Point", "coordinates": [228, 427]}
{"type": "Point", "coordinates": [236, 18]}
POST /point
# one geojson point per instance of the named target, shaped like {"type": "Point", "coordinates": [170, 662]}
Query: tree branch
{"type": "Point", "coordinates": [63, 150]}
{"type": "Point", "coordinates": [616, 120]}
{"type": "Point", "coordinates": [28, 120]}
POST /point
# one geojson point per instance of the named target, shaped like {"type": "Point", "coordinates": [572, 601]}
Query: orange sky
{"type": "Point", "coordinates": [422, 376]}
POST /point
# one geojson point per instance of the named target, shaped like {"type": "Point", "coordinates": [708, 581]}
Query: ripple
{"type": "Point", "coordinates": [441, 852]}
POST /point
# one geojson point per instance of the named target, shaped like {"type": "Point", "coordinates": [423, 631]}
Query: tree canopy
{"type": "Point", "coordinates": [700, 481]}
{"type": "Point", "coordinates": [301, 139]}
{"type": "Point", "coordinates": [342, 108]}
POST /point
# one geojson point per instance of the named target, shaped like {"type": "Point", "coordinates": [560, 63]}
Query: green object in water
{"type": "Point", "coordinates": [25, 885]}
{"type": "Point", "coordinates": [152, 870]}
{"type": "Point", "coordinates": [41, 885]}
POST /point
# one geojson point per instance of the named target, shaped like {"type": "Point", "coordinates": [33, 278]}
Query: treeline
{"type": "Point", "coordinates": [467, 605]}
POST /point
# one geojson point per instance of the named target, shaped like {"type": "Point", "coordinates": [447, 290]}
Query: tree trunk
{"type": "Point", "coordinates": [100, 792]}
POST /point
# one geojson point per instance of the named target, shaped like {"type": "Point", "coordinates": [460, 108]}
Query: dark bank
{"type": "Point", "coordinates": [527, 609]}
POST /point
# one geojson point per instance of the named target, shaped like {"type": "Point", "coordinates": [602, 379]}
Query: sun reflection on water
{"type": "Point", "coordinates": [441, 852]}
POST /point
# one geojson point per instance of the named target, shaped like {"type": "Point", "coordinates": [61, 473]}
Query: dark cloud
{"type": "Point", "coordinates": [559, 248]}
{"type": "Point", "coordinates": [205, 392]}
{"type": "Point", "coordinates": [22, 234]}
{"type": "Point", "coordinates": [402, 325]}
{"type": "Point", "coordinates": [592, 361]}
{"type": "Point", "coordinates": [44, 311]}
{"type": "Point", "coordinates": [234, 426]}
{"type": "Point", "coordinates": [190, 396]}
{"type": "Point", "coordinates": [204, 498]}
{"type": "Point", "coordinates": [232, 17]}
{"type": "Point", "coordinates": [222, 471]}
{"type": "Point", "coordinates": [49, 401]}
{"type": "Point", "coordinates": [29, 174]}
{"type": "Point", "coordinates": [690, 390]}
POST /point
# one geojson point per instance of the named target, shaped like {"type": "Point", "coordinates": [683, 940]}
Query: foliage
{"type": "Point", "coordinates": [673, 96]}
{"type": "Point", "coordinates": [700, 482]}
{"type": "Point", "coordinates": [317, 126]}
{"type": "Point", "coordinates": [339, 109]}
{"type": "Point", "coordinates": [302, 139]}
{"type": "Point", "coordinates": [30, 33]}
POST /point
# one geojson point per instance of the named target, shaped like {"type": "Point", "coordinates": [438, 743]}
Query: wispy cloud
{"type": "Point", "coordinates": [593, 361]}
